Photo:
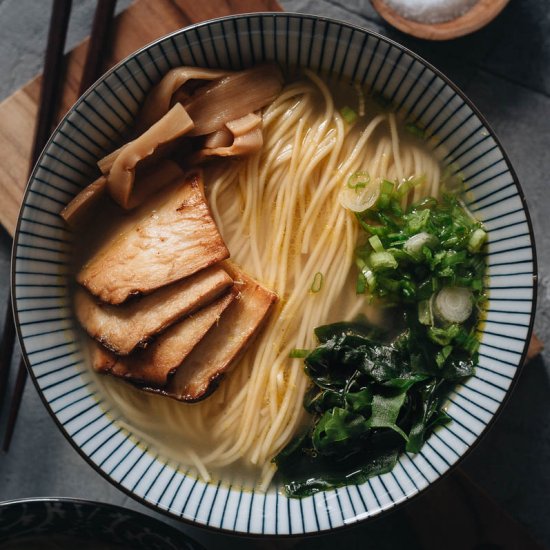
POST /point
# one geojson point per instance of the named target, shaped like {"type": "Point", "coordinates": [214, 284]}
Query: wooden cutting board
{"type": "Point", "coordinates": [143, 22]}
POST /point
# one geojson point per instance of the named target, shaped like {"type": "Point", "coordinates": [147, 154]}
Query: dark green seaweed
{"type": "Point", "coordinates": [370, 400]}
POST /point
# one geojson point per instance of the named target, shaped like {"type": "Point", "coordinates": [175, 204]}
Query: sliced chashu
{"type": "Point", "coordinates": [216, 353]}
{"type": "Point", "coordinates": [123, 328]}
{"type": "Point", "coordinates": [153, 365]}
{"type": "Point", "coordinates": [168, 238]}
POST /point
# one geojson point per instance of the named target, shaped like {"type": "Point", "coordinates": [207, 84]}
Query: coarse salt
{"type": "Point", "coordinates": [431, 11]}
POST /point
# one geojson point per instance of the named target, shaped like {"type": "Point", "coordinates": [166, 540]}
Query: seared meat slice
{"type": "Point", "coordinates": [166, 239]}
{"type": "Point", "coordinates": [200, 373]}
{"type": "Point", "coordinates": [123, 328]}
{"type": "Point", "coordinates": [154, 364]}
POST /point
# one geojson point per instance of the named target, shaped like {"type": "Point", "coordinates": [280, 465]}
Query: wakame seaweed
{"type": "Point", "coordinates": [375, 395]}
{"type": "Point", "coordinates": [370, 401]}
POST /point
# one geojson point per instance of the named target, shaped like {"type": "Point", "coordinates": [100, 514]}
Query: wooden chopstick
{"type": "Point", "coordinates": [15, 404]}
{"type": "Point", "coordinates": [92, 69]}
{"type": "Point", "coordinates": [49, 95]}
{"type": "Point", "coordinates": [53, 67]}
{"type": "Point", "coordinates": [98, 43]}
{"type": "Point", "coordinates": [6, 349]}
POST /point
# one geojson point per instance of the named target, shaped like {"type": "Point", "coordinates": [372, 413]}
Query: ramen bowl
{"type": "Point", "coordinates": [49, 334]}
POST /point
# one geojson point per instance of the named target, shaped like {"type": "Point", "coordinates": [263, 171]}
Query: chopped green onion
{"type": "Point", "coordinates": [406, 185]}
{"type": "Point", "coordinates": [370, 277]}
{"type": "Point", "coordinates": [417, 220]}
{"type": "Point", "coordinates": [442, 355]}
{"type": "Point", "coordinates": [359, 180]}
{"type": "Point", "coordinates": [376, 243]}
{"type": "Point", "coordinates": [472, 345]}
{"type": "Point", "coordinates": [386, 187]}
{"type": "Point", "coordinates": [298, 353]}
{"type": "Point", "coordinates": [454, 304]}
{"type": "Point", "coordinates": [443, 336]}
{"type": "Point", "coordinates": [383, 201]}
{"type": "Point", "coordinates": [348, 114]}
{"type": "Point", "coordinates": [452, 258]}
{"type": "Point", "coordinates": [425, 312]}
{"type": "Point", "coordinates": [361, 284]}
{"type": "Point", "coordinates": [408, 289]}
{"type": "Point", "coordinates": [415, 130]}
{"type": "Point", "coordinates": [360, 193]}
{"type": "Point", "coordinates": [424, 291]}
{"type": "Point", "coordinates": [389, 284]}
{"type": "Point", "coordinates": [415, 244]}
{"type": "Point", "coordinates": [477, 240]}
{"type": "Point", "coordinates": [395, 208]}
{"type": "Point", "coordinates": [382, 260]}
{"type": "Point", "coordinates": [386, 194]}
{"type": "Point", "coordinates": [467, 341]}
{"type": "Point", "coordinates": [317, 282]}
{"type": "Point", "coordinates": [477, 284]}
{"type": "Point", "coordinates": [359, 261]}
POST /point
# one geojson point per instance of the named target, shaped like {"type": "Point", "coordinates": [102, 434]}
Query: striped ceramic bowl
{"type": "Point", "coordinates": [49, 336]}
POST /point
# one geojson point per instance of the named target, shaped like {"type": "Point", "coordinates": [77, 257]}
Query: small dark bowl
{"type": "Point", "coordinates": [40, 519]}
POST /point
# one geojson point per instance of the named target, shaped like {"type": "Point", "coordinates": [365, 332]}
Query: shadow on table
{"type": "Point", "coordinates": [454, 514]}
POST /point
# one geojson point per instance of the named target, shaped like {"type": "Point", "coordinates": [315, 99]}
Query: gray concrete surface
{"type": "Point", "coordinates": [504, 69]}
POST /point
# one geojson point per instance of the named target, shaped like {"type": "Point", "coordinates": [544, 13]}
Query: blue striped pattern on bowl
{"type": "Point", "coordinates": [48, 332]}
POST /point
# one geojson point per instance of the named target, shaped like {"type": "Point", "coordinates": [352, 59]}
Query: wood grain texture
{"type": "Point", "coordinates": [143, 22]}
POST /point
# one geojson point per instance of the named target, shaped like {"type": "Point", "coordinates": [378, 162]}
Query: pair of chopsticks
{"type": "Point", "coordinates": [49, 102]}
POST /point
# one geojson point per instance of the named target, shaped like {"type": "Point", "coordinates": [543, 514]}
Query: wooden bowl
{"type": "Point", "coordinates": [479, 15]}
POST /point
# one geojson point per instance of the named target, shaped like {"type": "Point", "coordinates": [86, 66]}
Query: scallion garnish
{"type": "Point", "coordinates": [454, 304]}
{"type": "Point", "coordinates": [370, 277]}
{"type": "Point", "coordinates": [387, 187]}
{"type": "Point", "coordinates": [317, 282]}
{"type": "Point", "coordinates": [425, 312]}
{"type": "Point", "coordinates": [406, 185]}
{"type": "Point", "coordinates": [382, 260]}
{"type": "Point", "coordinates": [359, 180]}
{"type": "Point", "coordinates": [443, 355]}
{"type": "Point", "coordinates": [430, 244]}
{"type": "Point", "coordinates": [477, 240]}
{"type": "Point", "coordinates": [361, 284]}
{"type": "Point", "coordinates": [376, 243]}
{"type": "Point", "coordinates": [415, 130]}
{"type": "Point", "coordinates": [348, 114]}
{"type": "Point", "coordinates": [298, 353]}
